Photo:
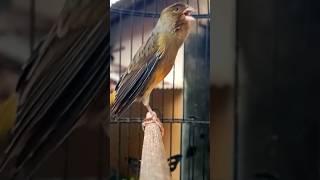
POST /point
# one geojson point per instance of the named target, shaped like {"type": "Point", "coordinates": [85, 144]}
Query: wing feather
{"type": "Point", "coordinates": [137, 76]}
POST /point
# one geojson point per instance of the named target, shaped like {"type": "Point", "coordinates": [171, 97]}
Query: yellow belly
{"type": "Point", "coordinates": [164, 66]}
{"type": "Point", "coordinates": [161, 71]}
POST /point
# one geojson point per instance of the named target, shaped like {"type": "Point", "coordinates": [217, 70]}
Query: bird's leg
{"type": "Point", "coordinates": [154, 114]}
{"type": "Point", "coordinates": [151, 117]}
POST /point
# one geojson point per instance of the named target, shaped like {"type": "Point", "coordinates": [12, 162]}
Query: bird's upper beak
{"type": "Point", "coordinates": [188, 14]}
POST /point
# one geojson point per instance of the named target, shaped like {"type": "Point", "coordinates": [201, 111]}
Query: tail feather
{"type": "Point", "coordinates": [112, 98]}
{"type": "Point", "coordinates": [8, 116]}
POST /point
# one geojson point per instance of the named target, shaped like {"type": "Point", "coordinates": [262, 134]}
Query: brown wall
{"type": "Point", "coordinates": [221, 134]}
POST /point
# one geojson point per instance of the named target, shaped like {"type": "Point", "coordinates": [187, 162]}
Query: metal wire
{"type": "Point", "coordinates": [164, 120]}
{"type": "Point", "coordinates": [32, 23]}
{"type": "Point", "coordinates": [150, 14]}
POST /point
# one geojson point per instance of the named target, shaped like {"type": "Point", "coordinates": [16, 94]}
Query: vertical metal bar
{"type": "Point", "coordinates": [100, 152]}
{"type": "Point", "coordinates": [196, 105]}
{"type": "Point", "coordinates": [173, 109]}
{"type": "Point", "coordinates": [66, 160]}
{"type": "Point", "coordinates": [131, 35]}
{"type": "Point", "coordinates": [181, 127]}
{"type": "Point", "coordinates": [193, 157]}
{"type": "Point", "coordinates": [207, 56]}
{"type": "Point", "coordinates": [144, 9]}
{"type": "Point", "coordinates": [156, 10]}
{"type": "Point", "coordinates": [183, 111]}
{"type": "Point", "coordinates": [120, 42]}
{"type": "Point", "coordinates": [141, 106]}
{"type": "Point", "coordinates": [154, 23]}
{"type": "Point", "coordinates": [189, 164]}
{"type": "Point", "coordinates": [163, 88]}
{"type": "Point", "coordinates": [162, 102]}
{"type": "Point", "coordinates": [32, 24]}
{"type": "Point", "coordinates": [198, 8]}
{"type": "Point", "coordinates": [236, 98]}
{"type": "Point", "coordinates": [131, 57]}
{"type": "Point", "coordinates": [203, 167]}
{"type": "Point", "coordinates": [128, 145]}
{"type": "Point", "coordinates": [119, 151]}
{"type": "Point", "coordinates": [119, 124]}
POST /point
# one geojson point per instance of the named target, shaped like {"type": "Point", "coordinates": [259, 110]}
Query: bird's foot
{"type": "Point", "coordinates": [153, 114]}
{"type": "Point", "coordinates": [151, 117]}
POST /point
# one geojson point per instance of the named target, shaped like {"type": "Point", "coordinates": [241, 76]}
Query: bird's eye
{"type": "Point", "coordinates": [176, 9]}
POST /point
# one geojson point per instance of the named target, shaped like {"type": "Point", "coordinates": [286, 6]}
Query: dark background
{"type": "Point", "coordinates": [277, 73]}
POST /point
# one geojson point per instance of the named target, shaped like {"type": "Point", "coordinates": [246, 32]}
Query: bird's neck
{"type": "Point", "coordinates": [179, 35]}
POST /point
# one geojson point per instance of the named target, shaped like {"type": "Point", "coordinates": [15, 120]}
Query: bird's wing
{"type": "Point", "coordinates": [56, 88]}
{"type": "Point", "coordinates": [138, 74]}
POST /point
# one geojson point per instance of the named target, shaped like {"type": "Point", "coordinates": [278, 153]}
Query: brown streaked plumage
{"type": "Point", "coordinates": [154, 59]}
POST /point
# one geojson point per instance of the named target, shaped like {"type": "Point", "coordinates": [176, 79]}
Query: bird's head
{"type": "Point", "coordinates": [176, 17]}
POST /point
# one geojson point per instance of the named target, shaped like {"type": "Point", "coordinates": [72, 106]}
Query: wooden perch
{"type": "Point", "coordinates": [153, 164]}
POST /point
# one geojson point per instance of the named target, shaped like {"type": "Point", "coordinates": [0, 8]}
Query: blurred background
{"type": "Point", "coordinates": [264, 90]}
{"type": "Point", "coordinates": [23, 23]}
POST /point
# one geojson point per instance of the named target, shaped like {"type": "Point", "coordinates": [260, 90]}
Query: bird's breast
{"type": "Point", "coordinates": [162, 69]}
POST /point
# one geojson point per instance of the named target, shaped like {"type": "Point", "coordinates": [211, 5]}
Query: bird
{"type": "Point", "coordinates": [153, 61]}
{"type": "Point", "coordinates": [64, 81]}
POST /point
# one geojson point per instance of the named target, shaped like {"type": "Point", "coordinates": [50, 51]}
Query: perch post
{"type": "Point", "coordinates": [153, 163]}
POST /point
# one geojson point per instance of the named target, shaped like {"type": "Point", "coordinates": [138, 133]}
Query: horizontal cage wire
{"type": "Point", "coordinates": [131, 24]}
{"type": "Point", "coordinates": [149, 14]}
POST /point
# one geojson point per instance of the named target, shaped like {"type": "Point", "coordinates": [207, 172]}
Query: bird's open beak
{"type": "Point", "coordinates": [188, 14]}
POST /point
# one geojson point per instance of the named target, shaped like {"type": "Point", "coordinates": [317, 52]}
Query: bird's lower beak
{"type": "Point", "coordinates": [188, 14]}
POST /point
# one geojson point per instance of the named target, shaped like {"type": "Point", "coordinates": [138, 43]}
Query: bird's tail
{"type": "Point", "coordinates": [7, 116]}
{"type": "Point", "coordinates": [8, 113]}
{"type": "Point", "coordinates": [112, 97]}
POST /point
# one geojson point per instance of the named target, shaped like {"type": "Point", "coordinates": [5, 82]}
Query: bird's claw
{"type": "Point", "coordinates": [151, 117]}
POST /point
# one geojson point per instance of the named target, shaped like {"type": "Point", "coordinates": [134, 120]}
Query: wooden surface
{"type": "Point", "coordinates": [153, 164]}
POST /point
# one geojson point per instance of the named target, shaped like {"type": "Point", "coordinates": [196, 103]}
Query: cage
{"type": "Point", "coordinates": [181, 100]}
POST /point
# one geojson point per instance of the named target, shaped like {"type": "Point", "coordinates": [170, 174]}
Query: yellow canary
{"type": "Point", "coordinates": [154, 59]}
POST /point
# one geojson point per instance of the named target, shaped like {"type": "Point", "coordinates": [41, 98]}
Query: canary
{"type": "Point", "coordinates": [154, 59]}
{"type": "Point", "coordinates": [63, 81]}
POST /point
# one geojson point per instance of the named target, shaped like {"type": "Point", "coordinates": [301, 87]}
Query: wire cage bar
{"type": "Point", "coordinates": [185, 119]}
